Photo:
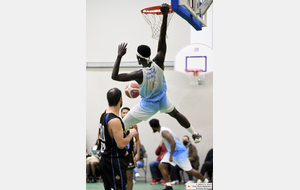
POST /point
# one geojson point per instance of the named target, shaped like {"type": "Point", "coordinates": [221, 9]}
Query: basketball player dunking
{"type": "Point", "coordinates": [151, 82]}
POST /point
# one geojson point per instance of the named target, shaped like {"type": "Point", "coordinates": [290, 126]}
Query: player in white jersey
{"type": "Point", "coordinates": [151, 82]}
{"type": "Point", "coordinates": [176, 155]}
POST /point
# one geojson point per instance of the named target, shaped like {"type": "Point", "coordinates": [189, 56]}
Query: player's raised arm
{"type": "Point", "coordinates": [135, 75]}
{"type": "Point", "coordinates": [162, 46]}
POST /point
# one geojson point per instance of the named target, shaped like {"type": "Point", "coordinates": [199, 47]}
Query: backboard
{"type": "Point", "coordinates": [194, 57]}
{"type": "Point", "coordinates": [193, 11]}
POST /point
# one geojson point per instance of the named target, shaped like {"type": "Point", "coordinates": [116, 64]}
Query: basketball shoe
{"type": "Point", "coordinates": [188, 182]}
{"type": "Point", "coordinates": [197, 137]}
{"type": "Point", "coordinates": [137, 175]}
{"type": "Point", "coordinates": [205, 181]}
{"type": "Point", "coordinates": [168, 188]}
{"type": "Point", "coordinates": [175, 182]}
{"type": "Point", "coordinates": [154, 181]}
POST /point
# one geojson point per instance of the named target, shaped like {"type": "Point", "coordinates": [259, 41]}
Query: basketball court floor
{"type": "Point", "coordinates": [136, 186]}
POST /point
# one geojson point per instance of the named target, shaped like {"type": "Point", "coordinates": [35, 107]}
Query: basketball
{"type": "Point", "coordinates": [132, 90]}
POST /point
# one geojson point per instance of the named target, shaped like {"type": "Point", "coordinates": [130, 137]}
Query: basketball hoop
{"type": "Point", "coordinates": [195, 76]}
{"type": "Point", "coordinates": [153, 17]}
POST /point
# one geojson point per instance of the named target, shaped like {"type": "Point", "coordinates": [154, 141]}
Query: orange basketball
{"type": "Point", "coordinates": [132, 90]}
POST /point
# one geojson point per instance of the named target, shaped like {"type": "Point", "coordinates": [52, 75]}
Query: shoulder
{"type": "Point", "coordinates": [114, 121]}
{"type": "Point", "coordinates": [164, 133]}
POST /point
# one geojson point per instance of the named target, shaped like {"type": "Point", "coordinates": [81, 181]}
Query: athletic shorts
{"type": "Point", "coordinates": [144, 110]}
{"type": "Point", "coordinates": [181, 160]}
{"type": "Point", "coordinates": [130, 161]}
{"type": "Point", "coordinates": [113, 172]}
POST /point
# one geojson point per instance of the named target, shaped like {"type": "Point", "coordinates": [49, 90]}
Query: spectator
{"type": "Point", "coordinates": [140, 162]}
{"type": "Point", "coordinates": [208, 164]}
{"type": "Point", "coordinates": [92, 168]}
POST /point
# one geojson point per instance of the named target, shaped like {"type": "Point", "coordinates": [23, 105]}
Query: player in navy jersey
{"type": "Point", "coordinates": [151, 82]}
{"type": "Point", "coordinates": [112, 142]}
{"type": "Point", "coordinates": [131, 159]}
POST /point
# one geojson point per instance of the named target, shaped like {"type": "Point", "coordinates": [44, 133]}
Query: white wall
{"type": "Point", "coordinates": [110, 23]}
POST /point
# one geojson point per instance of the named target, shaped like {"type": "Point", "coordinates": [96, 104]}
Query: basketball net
{"type": "Point", "coordinates": [195, 76]}
{"type": "Point", "coordinates": [153, 17]}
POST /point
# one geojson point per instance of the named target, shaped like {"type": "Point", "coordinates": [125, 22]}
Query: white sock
{"type": "Point", "coordinates": [191, 130]}
{"type": "Point", "coordinates": [168, 184]}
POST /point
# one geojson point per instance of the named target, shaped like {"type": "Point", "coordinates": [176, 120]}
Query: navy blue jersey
{"type": "Point", "coordinates": [130, 145]}
{"type": "Point", "coordinates": [108, 145]}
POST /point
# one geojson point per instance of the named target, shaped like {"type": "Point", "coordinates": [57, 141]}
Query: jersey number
{"type": "Point", "coordinates": [101, 132]}
{"type": "Point", "coordinates": [153, 84]}
{"type": "Point", "coordinates": [102, 137]}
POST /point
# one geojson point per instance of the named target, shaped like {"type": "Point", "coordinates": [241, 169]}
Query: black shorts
{"type": "Point", "coordinates": [113, 172]}
{"type": "Point", "coordinates": [130, 161]}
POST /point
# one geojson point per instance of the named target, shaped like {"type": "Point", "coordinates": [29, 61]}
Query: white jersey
{"type": "Point", "coordinates": [179, 147]}
{"type": "Point", "coordinates": [154, 86]}
{"type": "Point", "coordinates": [180, 156]}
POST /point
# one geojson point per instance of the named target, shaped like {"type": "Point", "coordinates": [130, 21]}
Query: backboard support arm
{"type": "Point", "coordinates": [197, 9]}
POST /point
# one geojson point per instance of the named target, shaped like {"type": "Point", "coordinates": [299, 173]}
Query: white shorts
{"type": "Point", "coordinates": [181, 160]}
{"type": "Point", "coordinates": [144, 110]}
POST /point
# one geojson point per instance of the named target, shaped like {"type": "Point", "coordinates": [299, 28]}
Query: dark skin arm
{"type": "Point", "coordinates": [138, 144]}
{"type": "Point", "coordinates": [162, 46]}
{"type": "Point", "coordinates": [172, 142]}
{"type": "Point", "coordinates": [135, 75]}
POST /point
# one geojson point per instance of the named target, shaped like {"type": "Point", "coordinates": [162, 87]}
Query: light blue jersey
{"type": "Point", "coordinates": [154, 86]}
{"type": "Point", "coordinates": [179, 148]}
{"type": "Point", "coordinates": [180, 155]}
{"type": "Point", "coordinates": [154, 98]}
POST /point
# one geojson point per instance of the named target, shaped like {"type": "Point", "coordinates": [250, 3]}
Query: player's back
{"type": "Point", "coordinates": [179, 146]}
{"type": "Point", "coordinates": [108, 145]}
{"type": "Point", "coordinates": [154, 86]}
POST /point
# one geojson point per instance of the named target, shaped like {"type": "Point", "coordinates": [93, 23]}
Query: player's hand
{"type": "Point", "coordinates": [164, 8]}
{"type": "Point", "coordinates": [171, 158]}
{"type": "Point", "coordinates": [122, 49]}
{"type": "Point", "coordinates": [133, 132]}
{"type": "Point", "coordinates": [161, 142]}
{"type": "Point", "coordinates": [136, 157]}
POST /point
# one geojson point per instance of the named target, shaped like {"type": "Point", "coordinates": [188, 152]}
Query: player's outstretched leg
{"type": "Point", "coordinates": [197, 174]}
{"type": "Point", "coordinates": [129, 120]}
{"type": "Point", "coordinates": [183, 121]}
